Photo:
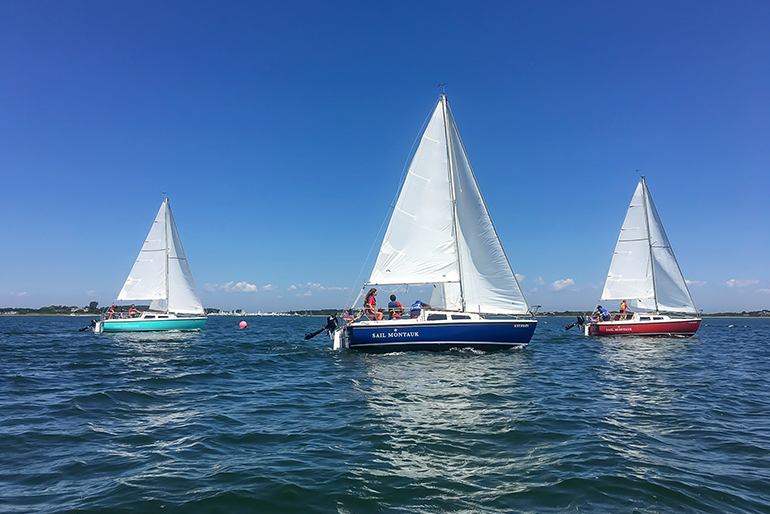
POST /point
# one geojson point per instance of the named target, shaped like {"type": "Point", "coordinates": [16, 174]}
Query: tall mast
{"type": "Point", "coordinates": [645, 198]}
{"type": "Point", "coordinates": [451, 160]}
{"type": "Point", "coordinates": [168, 229]}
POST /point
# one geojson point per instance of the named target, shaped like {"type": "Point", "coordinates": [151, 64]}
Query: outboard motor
{"type": "Point", "coordinates": [91, 326]}
{"type": "Point", "coordinates": [331, 324]}
{"type": "Point", "coordinates": [580, 323]}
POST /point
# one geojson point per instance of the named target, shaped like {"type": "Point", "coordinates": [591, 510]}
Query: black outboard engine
{"type": "Point", "coordinates": [580, 323]}
{"type": "Point", "coordinates": [331, 324]}
{"type": "Point", "coordinates": [91, 326]}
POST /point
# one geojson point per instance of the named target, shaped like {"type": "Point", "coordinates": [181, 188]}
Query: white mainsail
{"type": "Point", "coordinates": [644, 270]}
{"type": "Point", "coordinates": [441, 233]}
{"type": "Point", "coordinates": [161, 273]}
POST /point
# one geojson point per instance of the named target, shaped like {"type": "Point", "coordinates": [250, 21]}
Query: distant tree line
{"type": "Point", "coordinates": [753, 314]}
{"type": "Point", "coordinates": [91, 308]}
{"type": "Point", "coordinates": [317, 312]}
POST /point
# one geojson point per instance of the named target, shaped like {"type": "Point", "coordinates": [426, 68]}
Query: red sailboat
{"type": "Point", "coordinates": [644, 274]}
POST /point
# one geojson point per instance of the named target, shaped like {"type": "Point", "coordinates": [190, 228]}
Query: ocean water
{"type": "Point", "coordinates": [259, 420]}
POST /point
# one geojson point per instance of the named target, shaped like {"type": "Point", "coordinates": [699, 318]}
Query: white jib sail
{"type": "Point", "coordinates": [419, 245]}
{"type": "Point", "coordinates": [161, 273]}
{"type": "Point", "coordinates": [456, 248]}
{"type": "Point", "coordinates": [644, 270]}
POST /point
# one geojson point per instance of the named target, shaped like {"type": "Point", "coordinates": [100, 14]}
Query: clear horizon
{"type": "Point", "coordinates": [280, 131]}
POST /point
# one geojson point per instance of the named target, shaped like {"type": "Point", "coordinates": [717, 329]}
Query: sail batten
{"type": "Point", "coordinates": [644, 270]}
{"type": "Point", "coordinates": [441, 233]}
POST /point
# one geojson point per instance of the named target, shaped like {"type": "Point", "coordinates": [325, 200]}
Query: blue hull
{"type": "Point", "coordinates": [152, 325]}
{"type": "Point", "coordinates": [487, 335]}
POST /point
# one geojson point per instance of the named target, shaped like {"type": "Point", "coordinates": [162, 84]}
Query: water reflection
{"type": "Point", "coordinates": [644, 387]}
{"type": "Point", "coordinates": [642, 372]}
{"type": "Point", "coordinates": [439, 420]}
{"type": "Point", "coordinates": [644, 352]}
{"type": "Point", "coordinates": [152, 338]}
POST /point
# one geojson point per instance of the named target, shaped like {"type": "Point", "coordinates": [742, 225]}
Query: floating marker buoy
{"type": "Point", "coordinates": [242, 324]}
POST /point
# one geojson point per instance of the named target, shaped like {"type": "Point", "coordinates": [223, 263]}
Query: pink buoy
{"type": "Point", "coordinates": [242, 324]}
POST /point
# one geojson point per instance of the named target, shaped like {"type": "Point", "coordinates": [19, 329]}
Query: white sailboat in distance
{"type": "Point", "coordinates": [162, 276]}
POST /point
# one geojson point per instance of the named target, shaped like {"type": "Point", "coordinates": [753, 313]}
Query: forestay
{"type": "Point", "coordinates": [441, 233]}
{"type": "Point", "coordinates": [644, 270]}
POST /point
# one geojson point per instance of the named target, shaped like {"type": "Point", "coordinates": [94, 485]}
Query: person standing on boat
{"type": "Point", "coordinates": [395, 309]}
{"type": "Point", "coordinates": [370, 305]}
{"type": "Point", "coordinates": [623, 308]}
{"type": "Point", "coordinates": [111, 313]}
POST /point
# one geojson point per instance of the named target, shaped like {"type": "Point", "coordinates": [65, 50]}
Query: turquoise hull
{"type": "Point", "coordinates": [151, 325]}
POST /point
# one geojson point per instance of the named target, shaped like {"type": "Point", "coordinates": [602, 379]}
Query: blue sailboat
{"type": "Point", "coordinates": [441, 236]}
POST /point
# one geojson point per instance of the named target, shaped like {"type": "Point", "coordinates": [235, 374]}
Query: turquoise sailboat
{"type": "Point", "coordinates": [162, 276]}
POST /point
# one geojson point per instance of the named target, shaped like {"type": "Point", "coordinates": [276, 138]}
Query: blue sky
{"type": "Point", "coordinates": [280, 131]}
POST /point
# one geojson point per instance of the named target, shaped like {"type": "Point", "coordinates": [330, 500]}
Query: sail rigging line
{"type": "Point", "coordinates": [645, 201]}
{"type": "Point", "coordinates": [408, 162]}
{"type": "Point", "coordinates": [452, 185]}
{"type": "Point", "coordinates": [168, 251]}
{"type": "Point", "coordinates": [391, 209]}
{"type": "Point", "coordinates": [450, 122]}
{"type": "Point", "coordinates": [666, 244]}
{"type": "Point", "coordinates": [492, 223]}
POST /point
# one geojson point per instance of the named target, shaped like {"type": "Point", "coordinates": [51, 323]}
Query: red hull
{"type": "Point", "coordinates": [685, 327]}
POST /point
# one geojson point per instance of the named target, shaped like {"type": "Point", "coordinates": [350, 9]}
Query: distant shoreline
{"type": "Point", "coordinates": [81, 315]}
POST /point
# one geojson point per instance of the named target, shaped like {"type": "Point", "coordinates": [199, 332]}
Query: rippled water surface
{"type": "Point", "coordinates": [259, 420]}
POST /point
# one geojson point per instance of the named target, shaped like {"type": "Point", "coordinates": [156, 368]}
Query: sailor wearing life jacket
{"type": "Point", "coordinates": [417, 307]}
{"type": "Point", "coordinates": [370, 305]}
{"type": "Point", "coordinates": [395, 309]}
{"type": "Point", "coordinates": [602, 313]}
